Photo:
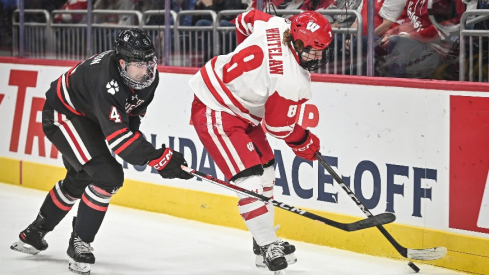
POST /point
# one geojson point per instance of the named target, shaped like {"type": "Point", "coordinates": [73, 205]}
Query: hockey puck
{"type": "Point", "coordinates": [414, 267]}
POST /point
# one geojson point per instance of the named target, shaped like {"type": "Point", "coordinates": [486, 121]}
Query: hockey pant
{"type": "Point", "coordinates": [93, 175]}
{"type": "Point", "coordinates": [242, 153]}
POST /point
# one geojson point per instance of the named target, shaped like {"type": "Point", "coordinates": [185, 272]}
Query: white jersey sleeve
{"type": "Point", "coordinates": [392, 9]}
{"type": "Point", "coordinates": [242, 83]}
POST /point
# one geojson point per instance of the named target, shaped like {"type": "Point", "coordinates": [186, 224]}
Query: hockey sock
{"type": "Point", "coordinates": [91, 212]}
{"type": "Point", "coordinates": [56, 205]}
{"type": "Point", "coordinates": [255, 213]}
{"type": "Point", "coordinates": [268, 182]}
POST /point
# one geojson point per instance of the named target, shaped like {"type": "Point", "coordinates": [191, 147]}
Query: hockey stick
{"type": "Point", "coordinates": [358, 225]}
{"type": "Point", "coordinates": [426, 254]}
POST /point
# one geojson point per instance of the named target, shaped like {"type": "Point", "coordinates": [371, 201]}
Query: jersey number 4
{"type": "Point", "coordinates": [114, 115]}
{"type": "Point", "coordinates": [246, 60]}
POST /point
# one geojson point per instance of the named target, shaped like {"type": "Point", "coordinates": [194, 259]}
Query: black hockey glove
{"type": "Point", "coordinates": [168, 164]}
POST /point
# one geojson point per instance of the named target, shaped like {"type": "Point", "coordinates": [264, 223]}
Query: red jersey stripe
{"type": "Point", "coordinates": [68, 76]}
{"type": "Point", "coordinates": [116, 133]}
{"type": "Point", "coordinates": [125, 145]}
{"type": "Point", "coordinates": [211, 88]}
{"type": "Point", "coordinates": [207, 81]}
{"type": "Point", "coordinates": [62, 99]}
{"type": "Point", "coordinates": [72, 137]}
{"type": "Point", "coordinates": [226, 90]}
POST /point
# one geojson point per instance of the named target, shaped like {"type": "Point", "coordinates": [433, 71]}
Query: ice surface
{"type": "Point", "coordinates": [139, 242]}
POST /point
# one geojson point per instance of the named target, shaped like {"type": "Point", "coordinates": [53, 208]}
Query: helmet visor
{"type": "Point", "coordinates": [312, 59]}
{"type": "Point", "coordinates": [139, 74]}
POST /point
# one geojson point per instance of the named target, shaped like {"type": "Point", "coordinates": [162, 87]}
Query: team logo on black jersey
{"type": "Point", "coordinates": [112, 87]}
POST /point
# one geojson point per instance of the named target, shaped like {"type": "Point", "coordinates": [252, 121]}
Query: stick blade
{"type": "Point", "coordinates": [427, 254]}
{"type": "Point", "coordinates": [372, 221]}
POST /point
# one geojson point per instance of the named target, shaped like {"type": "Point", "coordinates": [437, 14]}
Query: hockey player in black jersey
{"type": "Point", "coordinates": [99, 100]}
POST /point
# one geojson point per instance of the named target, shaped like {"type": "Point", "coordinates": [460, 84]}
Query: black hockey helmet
{"type": "Point", "coordinates": [135, 46]}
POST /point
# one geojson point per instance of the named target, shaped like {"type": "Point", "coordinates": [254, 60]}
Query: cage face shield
{"type": "Point", "coordinates": [136, 49]}
{"type": "Point", "coordinates": [132, 79]}
{"type": "Point", "coordinates": [312, 59]}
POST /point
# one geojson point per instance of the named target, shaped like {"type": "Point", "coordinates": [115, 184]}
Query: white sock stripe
{"type": "Point", "coordinates": [120, 139]}
{"type": "Point", "coordinates": [96, 196]}
{"type": "Point", "coordinates": [218, 144]}
{"type": "Point", "coordinates": [62, 196]}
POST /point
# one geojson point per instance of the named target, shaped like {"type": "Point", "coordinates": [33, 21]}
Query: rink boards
{"type": "Point", "coordinates": [416, 148]}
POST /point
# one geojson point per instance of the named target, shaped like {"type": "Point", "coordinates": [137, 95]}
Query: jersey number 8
{"type": "Point", "coordinates": [243, 61]}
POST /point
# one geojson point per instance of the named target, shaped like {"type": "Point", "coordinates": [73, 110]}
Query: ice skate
{"type": "Point", "coordinates": [289, 250]}
{"type": "Point", "coordinates": [81, 255]}
{"type": "Point", "coordinates": [274, 256]}
{"type": "Point", "coordinates": [31, 240]}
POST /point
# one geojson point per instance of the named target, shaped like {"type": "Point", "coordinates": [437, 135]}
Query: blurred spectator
{"type": "Point", "coordinates": [8, 4]}
{"type": "Point", "coordinates": [217, 6]}
{"type": "Point", "coordinates": [7, 8]}
{"type": "Point", "coordinates": [68, 17]}
{"type": "Point", "coordinates": [386, 12]}
{"type": "Point", "coordinates": [114, 18]}
{"type": "Point", "coordinates": [226, 21]}
{"type": "Point", "coordinates": [290, 5]}
{"type": "Point", "coordinates": [342, 20]}
{"type": "Point", "coordinates": [295, 4]}
{"type": "Point", "coordinates": [414, 48]}
{"type": "Point", "coordinates": [187, 5]}
{"type": "Point", "coordinates": [175, 5]}
{"type": "Point", "coordinates": [310, 5]}
{"type": "Point", "coordinates": [48, 5]}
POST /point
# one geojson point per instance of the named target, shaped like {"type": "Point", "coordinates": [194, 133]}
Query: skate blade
{"type": "Point", "coordinates": [22, 247]}
{"type": "Point", "coordinates": [260, 263]}
{"type": "Point", "coordinates": [280, 272]}
{"type": "Point", "coordinates": [80, 268]}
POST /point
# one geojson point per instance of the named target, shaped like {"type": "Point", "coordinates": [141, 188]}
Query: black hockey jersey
{"type": "Point", "coordinates": [95, 89]}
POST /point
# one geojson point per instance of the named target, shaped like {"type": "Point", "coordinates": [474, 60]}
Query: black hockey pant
{"type": "Point", "coordinates": [93, 175]}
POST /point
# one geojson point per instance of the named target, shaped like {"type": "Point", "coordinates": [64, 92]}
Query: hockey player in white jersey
{"type": "Point", "coordinates": [262, 81]}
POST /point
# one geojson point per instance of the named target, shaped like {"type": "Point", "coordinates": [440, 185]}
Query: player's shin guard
{"type": "Point", "coordinates": [259, 221]}
{"type": "Point", "coordinates": [91, 212]}
{"type": "Point", "coordinates": [268, 182]}
{"type": "Point", "coordinates": [56, 205]}
{"type": "Point", "coordinates": [255, 213]}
